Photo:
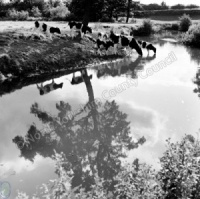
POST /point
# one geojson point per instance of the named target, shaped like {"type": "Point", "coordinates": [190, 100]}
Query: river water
{"type": "Point", "coordinates": [154, 97]}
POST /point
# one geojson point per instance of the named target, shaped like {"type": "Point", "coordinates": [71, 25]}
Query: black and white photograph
{"type": "Point", "coordinates": [99, 99]}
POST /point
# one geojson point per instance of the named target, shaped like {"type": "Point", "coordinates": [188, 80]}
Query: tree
{"type": "Point", "coordinates": [178, 6]}
{"type": "Point", "coordinates": [87, 9]}
{"type": "Point", "coordinates": [128, 10]}
{"type": "Point", "coordinates": [36, 12]}
{"type": "Point", "coordinates": [155, 6]}
{"type": "Point", "coordinates": [135, 5]}
{"type": "Point", "coordinates": [113, 7]}
{"type": "Point", "coordinates": [164, 5]}
{"type": "Point", "coordinates": [78, 9]}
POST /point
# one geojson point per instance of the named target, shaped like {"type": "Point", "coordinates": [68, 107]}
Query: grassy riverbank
{"type": "Point", "coordinates": [24, 53]}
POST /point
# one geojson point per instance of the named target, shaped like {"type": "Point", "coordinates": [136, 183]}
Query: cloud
{"type": "Point", "coordinates": [144, 122]}
{"type": "Point", "coordinates": [141, 117]}
{"type": "Point", "coordinates": [150, 124]}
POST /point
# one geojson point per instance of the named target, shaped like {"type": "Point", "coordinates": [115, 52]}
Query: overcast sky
{"type": "Point", "coordinates": [172, 2]}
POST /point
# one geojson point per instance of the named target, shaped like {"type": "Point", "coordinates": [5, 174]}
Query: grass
{"type": "Point", "coordinates": [20, 55]}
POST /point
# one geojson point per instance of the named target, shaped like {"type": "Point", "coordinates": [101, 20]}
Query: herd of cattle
{"type": "Point", "coordinates": [104, 41]}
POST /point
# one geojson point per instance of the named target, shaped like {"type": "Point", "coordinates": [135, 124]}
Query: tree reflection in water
{"type": "Point", "coordinates": [94, 140]}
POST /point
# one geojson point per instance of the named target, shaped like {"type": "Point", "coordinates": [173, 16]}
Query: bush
{"type": "Point", "coordinates": [16, 15]}
{"type": "Point", "coordinates": [185, 23]}
{"type": "Point", "coordinates": [192, 37]}
{"type": "Point", "coordinates": [105, 18]}
{"type": "Point", "coordinates": [145, 29]}
{"type": "Point", "coordinates": [175, 26]}
{"type": "Point", "coordinates": [35, 12]}
{"type": "Point", "coordinates": [59, 13]}
{"type": "Point", "coordinates": [180, 174]}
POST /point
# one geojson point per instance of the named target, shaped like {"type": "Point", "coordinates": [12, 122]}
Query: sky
{"type": "Point", "coordinates": [171, 2]}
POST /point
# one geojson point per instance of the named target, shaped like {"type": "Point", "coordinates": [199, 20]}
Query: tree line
{"type": "Point", "coordinates": [86, 10]}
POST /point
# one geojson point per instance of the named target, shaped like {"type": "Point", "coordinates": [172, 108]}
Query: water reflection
{"type": "Point", "coordinates": [197, 82]}
{"type": "Point", "coordinates": [126, 66]}
{"type": "Point", "coordinates": [17, 83]}
{"type": "Point", "coordinates": [44, 89]}
{"type": "Point", "coordinates": [93, 140]}
{"type": "Point", "coordinates": [161, 106]}
{"type": "Point", "coordinates": [79, 79]}
{"type": "Point", "coordinates": [194, 54]}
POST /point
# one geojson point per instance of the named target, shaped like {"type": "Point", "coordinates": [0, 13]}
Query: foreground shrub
{"type": "Point", "coordinates": [16, 15]}
{"type": "Point", "coordinates": [134, 181]}
{"type": "Point", "coordinates": [137, 181]}
{"type": "Point", "coordinates": [178, 178]}
{"type": "Point", "coordinates": [192, 37]}
{"type": "Point", "coordinates": [185, 23]}
{"type": "Point", "coordinates": [180, 174]}
{"type": "Point", "coordinates": [145, 29]}
{"type": "Point", "coordinates": [59, 12]}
